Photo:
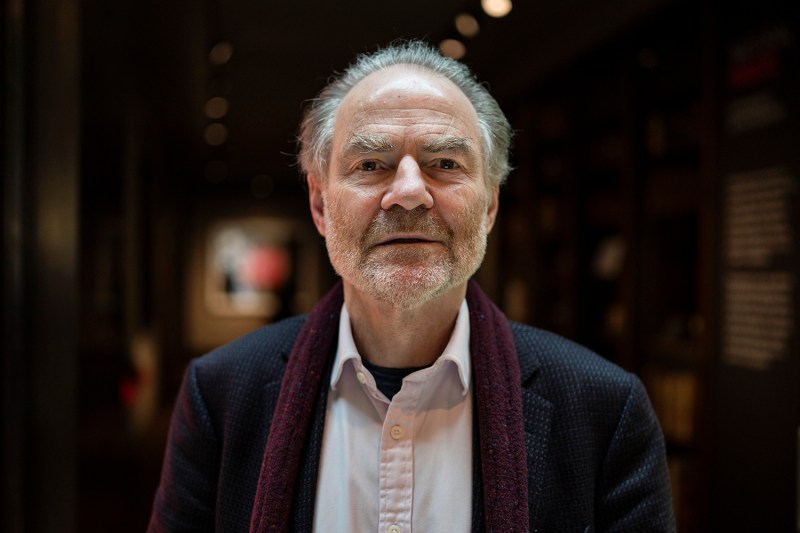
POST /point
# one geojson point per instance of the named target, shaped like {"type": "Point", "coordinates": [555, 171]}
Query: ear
{"type": "Point", "coordinates": [317, 203]}
{"type": "Point", "coordinates": [494, 205]}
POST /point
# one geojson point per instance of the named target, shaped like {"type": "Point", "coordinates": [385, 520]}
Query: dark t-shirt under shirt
{"type": "Point", "coordinates": [389, 380]}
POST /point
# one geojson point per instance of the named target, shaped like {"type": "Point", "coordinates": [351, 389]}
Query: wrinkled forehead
{"type": "Point", "coordinates": [406, 89]}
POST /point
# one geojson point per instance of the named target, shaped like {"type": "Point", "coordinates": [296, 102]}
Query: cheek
{"type": "Point", "coordinates": [467, 209]}
{"type": "Point", "coordinates": [346, 215]}
{"type": "Point", "coordinates": [355, 204]}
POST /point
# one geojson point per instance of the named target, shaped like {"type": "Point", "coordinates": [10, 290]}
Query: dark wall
{"type": "Point", "coordinates": [39, 154]}
{"type": "Point", "coordinates": [757, 372]}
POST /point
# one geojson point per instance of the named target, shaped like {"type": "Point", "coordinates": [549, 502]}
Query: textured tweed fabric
{"type": "Point", "coordinates": [593, 449]}
{"type": "Point", "coordinates": [499, 412]}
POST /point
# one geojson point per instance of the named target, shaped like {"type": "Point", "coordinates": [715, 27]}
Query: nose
{"type": "Point", "coordinates": [408, 188]}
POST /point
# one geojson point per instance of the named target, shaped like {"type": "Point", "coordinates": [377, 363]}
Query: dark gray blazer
{"type": "Point", "coordinates": [596, 459]}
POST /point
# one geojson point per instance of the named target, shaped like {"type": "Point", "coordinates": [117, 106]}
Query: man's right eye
{"type": "Point", "coordinates": [368, 166]}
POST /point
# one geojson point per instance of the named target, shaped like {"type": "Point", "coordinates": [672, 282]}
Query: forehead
{"type": "Point", "coordinates": [406, 95]}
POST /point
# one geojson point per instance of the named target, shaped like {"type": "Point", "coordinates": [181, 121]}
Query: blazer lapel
{"type": "Point", "coordinates": [306, 492]}
{"type": "Point", "coordinates": [538, 413]}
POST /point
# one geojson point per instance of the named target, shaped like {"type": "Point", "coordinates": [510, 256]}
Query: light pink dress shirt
{"type": "Point", "coordinates": [397, 466]}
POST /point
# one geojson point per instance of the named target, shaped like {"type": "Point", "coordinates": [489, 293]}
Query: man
{"type": "Point", "coordinates": [405, 401]}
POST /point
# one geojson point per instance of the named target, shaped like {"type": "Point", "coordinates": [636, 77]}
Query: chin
{"type": "Point", "coordinates": [409, 288]}
{"type": "Point", "coordinates": [407, 280]}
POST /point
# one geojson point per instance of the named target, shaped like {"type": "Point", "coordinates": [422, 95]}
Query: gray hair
{"type": "Point", "coordinates": [316, 129]}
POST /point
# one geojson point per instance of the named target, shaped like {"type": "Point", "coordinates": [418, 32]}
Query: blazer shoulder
{"type": "Point", "coordinates": [260, 354]}
{"type": "Point", "coordinates": [591, 393]}
{"type": "Point", "coordinates": [564, 361]}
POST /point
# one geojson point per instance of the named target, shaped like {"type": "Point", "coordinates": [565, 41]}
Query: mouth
{"type": "Point", "coordinates": [405, 239]}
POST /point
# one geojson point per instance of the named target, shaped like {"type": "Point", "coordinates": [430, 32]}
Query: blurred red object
{"type": "Point", "coordinates": [265, 267]}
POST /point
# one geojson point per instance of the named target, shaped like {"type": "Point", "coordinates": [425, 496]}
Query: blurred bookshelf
{"type": "Point", "coordinates": [615, 162]}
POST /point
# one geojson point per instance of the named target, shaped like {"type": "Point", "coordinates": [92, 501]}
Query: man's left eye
{"type": "Point", "coordinates": [448, 164]}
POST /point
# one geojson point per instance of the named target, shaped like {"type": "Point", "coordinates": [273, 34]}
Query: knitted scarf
{"type": "Point", "coordinates": [503, 467]}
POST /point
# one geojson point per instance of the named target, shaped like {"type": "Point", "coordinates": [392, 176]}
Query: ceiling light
{"type": "Point", "coordinates": [221, 53]}
{"type": "Point", "coordinates": [215, 134]}
{"type": "Point", "coordinates": [217, 107]}
{"type": "Point", "coordinates": [467, 25]}
{"type": "Point", "coordinates": [496, 8]}
{"type": "Point", "coordinates": [452, 48]}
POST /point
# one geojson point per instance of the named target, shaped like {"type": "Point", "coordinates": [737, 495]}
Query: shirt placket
{"type": "Point", "coordinates": [397, 461]}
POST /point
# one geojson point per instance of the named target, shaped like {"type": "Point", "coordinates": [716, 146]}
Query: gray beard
{"type": "Point", "coordinates": [407, 277]}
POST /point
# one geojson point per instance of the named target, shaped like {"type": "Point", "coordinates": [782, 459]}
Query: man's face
{"type": "Point", "coordinates": [405, 207]}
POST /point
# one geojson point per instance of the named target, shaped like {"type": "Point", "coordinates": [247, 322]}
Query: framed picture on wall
{"type": "Point", "coordinates": [249, 267]}
{"type": "Point", "coordinates": [246, 271]}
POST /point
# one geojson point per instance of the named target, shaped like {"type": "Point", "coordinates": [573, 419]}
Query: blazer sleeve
{"type": "Point", "coordinates": [634, 490]}
{"type": "Point", "coordinates": [186, 496]}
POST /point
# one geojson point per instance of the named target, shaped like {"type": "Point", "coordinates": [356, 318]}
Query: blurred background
{"type": "Point", "coordinates": [152, 210]}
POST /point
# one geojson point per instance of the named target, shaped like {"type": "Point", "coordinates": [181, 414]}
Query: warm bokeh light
{"type": "Point", "coordinates": [467, 25]}
{"type": "Point", "coordinates": [217, 107]}
{"type": "Point", "coordinates": [215, 134]}
{"type": "Point", "coordinates": [221, 53]}
{"type": "Point", "coordinates": [452, 48]}
{"type": "Point", "coordinates": [496, 8]}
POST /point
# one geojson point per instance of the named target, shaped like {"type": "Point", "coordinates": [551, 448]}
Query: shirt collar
{"type": "Point", "coordinates": [456, 351]}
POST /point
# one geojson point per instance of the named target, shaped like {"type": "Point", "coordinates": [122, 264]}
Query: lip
{"type": "Point", "coordinates": [405, 238]}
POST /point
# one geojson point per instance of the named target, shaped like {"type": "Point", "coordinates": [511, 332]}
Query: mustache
{"type": "Point", "coordinates": [399, 220]}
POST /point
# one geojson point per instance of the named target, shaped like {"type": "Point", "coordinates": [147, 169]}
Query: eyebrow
{"type": "Point", "coordinates": [359, 143]}
{"type": "Point", "coordinates": [458, 145]}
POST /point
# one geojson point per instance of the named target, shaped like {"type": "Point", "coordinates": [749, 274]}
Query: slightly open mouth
{"type": "Point", "coordinates": [406, 241]}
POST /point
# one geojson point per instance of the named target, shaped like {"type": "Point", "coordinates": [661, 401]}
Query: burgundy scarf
{"type": "Point", "coordinates": [499, 411]}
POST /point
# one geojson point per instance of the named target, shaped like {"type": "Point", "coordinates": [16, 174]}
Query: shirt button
{"type": "Point", "coordinates": [362, 378]}
{"type": "Point", "coordinates": [393, 529]}
{"type": "Point", "coordinates": [397, 433]}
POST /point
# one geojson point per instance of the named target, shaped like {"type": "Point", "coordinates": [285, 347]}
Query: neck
{"type": "Point", "coordinates": [402, 337]}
